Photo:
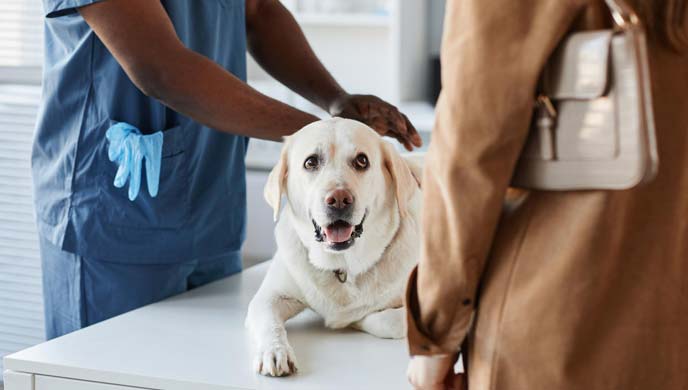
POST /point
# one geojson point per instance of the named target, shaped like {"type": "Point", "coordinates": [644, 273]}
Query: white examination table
{"type": "Point", "coordinates": [197, 341]}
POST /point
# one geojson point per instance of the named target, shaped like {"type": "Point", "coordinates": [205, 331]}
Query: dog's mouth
{"type": "Point", "coordinates": [338, 235]}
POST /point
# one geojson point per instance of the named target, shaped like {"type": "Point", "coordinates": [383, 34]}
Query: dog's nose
{"type": "Point", "coordinates": [339, 199]}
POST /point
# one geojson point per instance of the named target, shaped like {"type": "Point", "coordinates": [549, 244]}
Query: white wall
{"type": "Point", "coordinates": [435, 23]}
{"type": "Point", "coordinates": [260, 238]}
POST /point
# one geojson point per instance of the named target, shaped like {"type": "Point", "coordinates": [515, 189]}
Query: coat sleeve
{"type": "Point", "coordinates": [492, 54]}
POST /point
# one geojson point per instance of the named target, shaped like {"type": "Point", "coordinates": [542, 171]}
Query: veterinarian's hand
{"type": "Point", "coordinates": [434, 373]}
{"type": "Point", "coordinates": [378, 114]}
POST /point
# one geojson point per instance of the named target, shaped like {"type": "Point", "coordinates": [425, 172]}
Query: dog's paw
{"type": "Point", "coordinates": [275, 360]}
{"type": "Point", "coordinates": [386, 324]}
{"type": "Point", "coordinates": [396, 330]}
{"type": "Point", "coordinates": [391, 329]}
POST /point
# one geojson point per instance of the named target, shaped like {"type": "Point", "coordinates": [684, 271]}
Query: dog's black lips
{"type": "Point", "coordinates": [339, 246]}
{"type": "Point", "coordinates": [319, 236]}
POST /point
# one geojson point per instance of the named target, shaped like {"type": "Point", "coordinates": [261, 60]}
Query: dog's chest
{"type": "Point", "coordinates": [375, 279]}
{"type": "Point", "coordinates": [336, 288]}
{"type": "Point", "coordinates": [341, 303]}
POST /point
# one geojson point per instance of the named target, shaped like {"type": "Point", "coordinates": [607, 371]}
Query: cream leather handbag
{"type": "Point", "coordinates": [593, 126]}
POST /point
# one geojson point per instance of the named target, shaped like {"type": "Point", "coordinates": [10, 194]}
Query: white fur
{"type": "Point", "coordinates": [302, 271]}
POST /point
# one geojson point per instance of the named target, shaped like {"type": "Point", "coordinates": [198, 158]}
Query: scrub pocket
{"type": "Point", "coordinates": [170, 208]}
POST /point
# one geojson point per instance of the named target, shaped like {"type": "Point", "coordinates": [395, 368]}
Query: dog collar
{"type": "Point", "coordinates": [341, 275]}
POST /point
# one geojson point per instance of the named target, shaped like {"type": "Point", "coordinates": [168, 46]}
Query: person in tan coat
{"type": "Point", "coordinates": [560, 290]}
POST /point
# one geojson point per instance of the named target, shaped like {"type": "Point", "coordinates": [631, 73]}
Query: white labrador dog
{"type": "Point", "coordinates": [347, 237]}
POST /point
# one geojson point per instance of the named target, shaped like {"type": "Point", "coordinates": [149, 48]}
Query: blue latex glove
{"type": "Point", "coordinates": [128, 148]}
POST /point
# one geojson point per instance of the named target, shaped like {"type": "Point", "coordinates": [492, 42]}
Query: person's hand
{"type": "Point", "coordinates": [434, 373]}
{"type": "Point", "coordinates": [378, 114]}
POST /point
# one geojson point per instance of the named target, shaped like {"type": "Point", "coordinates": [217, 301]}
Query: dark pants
{"type": "Point", "coordinates": [79, 292]}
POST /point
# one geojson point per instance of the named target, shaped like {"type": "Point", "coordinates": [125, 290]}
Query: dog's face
{"type": "Point", "coordinates": [340, 176]}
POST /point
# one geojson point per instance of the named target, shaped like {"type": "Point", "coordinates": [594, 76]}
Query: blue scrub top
{"type": "Point", "coordinates": [200, 209]}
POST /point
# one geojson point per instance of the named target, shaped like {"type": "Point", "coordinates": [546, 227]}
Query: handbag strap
{"type": "Point", "coordinates": [623, 15]}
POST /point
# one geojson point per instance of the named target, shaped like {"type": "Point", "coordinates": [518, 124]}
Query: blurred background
{"type": "Point", "coordinates": [389, 48]}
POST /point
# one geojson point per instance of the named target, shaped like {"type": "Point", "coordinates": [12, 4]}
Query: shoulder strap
{"type": "Point", "coordinates": [624, 16]}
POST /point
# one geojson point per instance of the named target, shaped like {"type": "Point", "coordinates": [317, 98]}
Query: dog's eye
{"type": "Point", "coordinates": [361, 162]}
{"type": "Point", "coordinates": [311, 163]}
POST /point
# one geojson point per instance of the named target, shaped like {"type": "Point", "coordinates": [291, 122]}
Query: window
{"type": "Point", "coordinates": [21, 47]}
{"type": "Point", "coordinates": [21, 41]}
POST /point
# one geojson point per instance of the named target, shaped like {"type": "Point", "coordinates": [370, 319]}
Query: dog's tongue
{"type": "Point", "coordinates": [338, 232]}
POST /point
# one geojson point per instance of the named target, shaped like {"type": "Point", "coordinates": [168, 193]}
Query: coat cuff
{"type": "Point", "coordinates": [419, 342]}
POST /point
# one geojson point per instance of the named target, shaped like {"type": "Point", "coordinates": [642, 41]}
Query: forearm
{"type": "Point", "coordinates": [280, 47]}
{"type": "Point", "coordinates": [140, 35]}
{"type": "Point", "coordinates": [199, 88]}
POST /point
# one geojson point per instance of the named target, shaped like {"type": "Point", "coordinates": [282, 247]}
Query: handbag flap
{"type": "Point", "coordinates": [579, 68]}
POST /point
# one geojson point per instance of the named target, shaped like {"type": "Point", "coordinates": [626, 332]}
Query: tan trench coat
{"type": "Point", "coordinates": [568, 290]}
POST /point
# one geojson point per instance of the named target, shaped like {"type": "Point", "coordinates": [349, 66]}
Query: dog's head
{"type": "Point", "coordinates": [340, 176]}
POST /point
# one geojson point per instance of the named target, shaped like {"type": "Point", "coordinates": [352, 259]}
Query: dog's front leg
{"type": "Point", "coordinates": [267, 314]}
{"type": "Point", "coordinates": [386, 324]}
{"type": "Point", "coordinates": [266, 317]}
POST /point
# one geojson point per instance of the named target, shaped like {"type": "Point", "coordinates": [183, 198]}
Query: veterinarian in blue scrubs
{"type": "Point", "coordinates": [138, 159]}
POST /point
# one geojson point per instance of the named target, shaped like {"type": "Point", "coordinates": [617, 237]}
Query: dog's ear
{"type": "Point", "coordinates": [405, 184]}
{"type": "Point", "coordinates": [277, 181]}
{"type": "Point", "coordinates": [415, 164]}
